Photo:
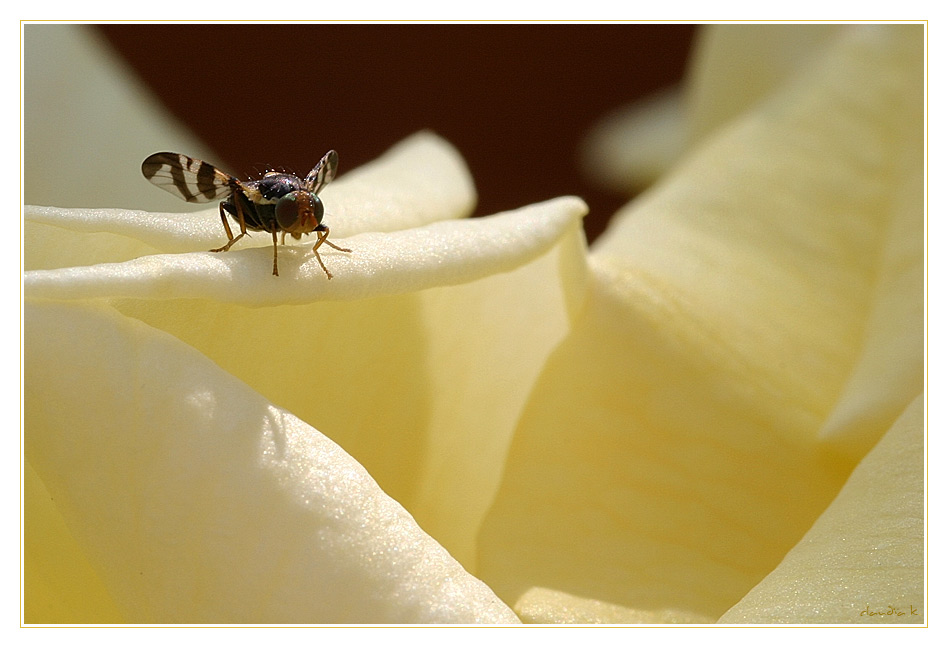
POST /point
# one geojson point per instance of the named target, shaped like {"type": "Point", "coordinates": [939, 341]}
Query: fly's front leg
{"type": "Point", "coordinates": [276, 273]}
{"type": "Point", "coordinates": [322, 235]}
{"type": "Point", "coordinates": [333, 245]}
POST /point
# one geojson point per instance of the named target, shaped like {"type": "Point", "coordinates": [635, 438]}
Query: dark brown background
{"type": "Point", "coordinates": [516, 100]}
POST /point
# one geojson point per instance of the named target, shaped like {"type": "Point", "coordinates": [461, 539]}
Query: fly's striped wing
{"type": "Point", "coordinates": [323, 173]}
{"type": "Point", "coordinates": [192, 180]}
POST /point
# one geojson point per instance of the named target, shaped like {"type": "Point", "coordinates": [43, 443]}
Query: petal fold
{"type": "Point", "coordinates": [674, 450]}
{"type": "Point", "coordinates": [197, 501]}
{"type": "Point", "coordinates": [424, 388]}
{"type": "Point", "coordinates": [735, 66]}
{"type": "Point", "coordinates": [639, 477]}
{"type": "Point", "coordinates": [59, 584]}
{"type": "Point", "coordinates": [864, 559]}
{"type": "Point", "coordinates": [545, 606]}
{"type": "Point", "coordinates": [438, 254]}
{"type": "Point", "coordinates": [792, 238]}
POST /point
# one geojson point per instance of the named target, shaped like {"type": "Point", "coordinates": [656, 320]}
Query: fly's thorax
{"type": "Point", "coordinates": [275, 185]}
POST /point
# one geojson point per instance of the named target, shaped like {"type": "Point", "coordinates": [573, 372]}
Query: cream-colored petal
{"type": "Point", "coordinates": [731, 68]}
{"type": "Point", "coordinates": [890, 367]}
{"type": "Point", "coordinates": [485, 343]}
{"type": "Point", "coordinates": [198, 501]}
{"type": "Point", "coordinates": [670, 454]}
{"type": "Point", "coordinates": [47, 247]}
{"type": "Point", "coordinates": [438, 254]}
{"type": "Point", "coordinates": [781, 236]}
{"type": "Point", "coordinates": [864, 559]}
{"type": "Point", "coordinates": [88, 123]}
{"type": "Point", "coordinates": [642, 476]}
{"type": "Point", "coordinates": [734, 66]}
{"type": "Point", "coordinates": [546, 606]}
{"type": "Point", "coordinates": [631, 148]}
{"type": "Point", "coordinates": [419, 181]}
{"type": "Point", "coordinates": [59, 584]}
{"type": "Point", "coordinates": [423, 388]}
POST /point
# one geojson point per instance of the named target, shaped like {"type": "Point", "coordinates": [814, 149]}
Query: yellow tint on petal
{"type": "Point", "coordinates": [59, 584]}
{"type": "Point", "coordinates": [673, 450]}
{"type": "Point", "coordinates": [197, 501]}
{"type": "Point", "coordinates": [863, 561]}
{"type": "Point", "coordinates": [890, 367]}
{"type": "Point", "coordinates": [792, 239]}
{"type": "Point", "coordinates": [734, 66]}
{"type": "Point", "coordinates": [46, 247]}
{"type": "Point", "coordinates": [485, 344]}
{"type": "Point", "coordinates": [545, 606]}
{"type": "Point", "coordinates": [421, 179]}
{"type": "Point", "coordinates": [641, 477]}
{"type": "Point", "coordinates": [423, 388]}
{"type": "Point", "coordinates": [731, 67]}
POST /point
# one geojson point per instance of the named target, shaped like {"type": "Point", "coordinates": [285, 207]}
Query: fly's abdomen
{"type": "Point", "coordinates": [258, 217]}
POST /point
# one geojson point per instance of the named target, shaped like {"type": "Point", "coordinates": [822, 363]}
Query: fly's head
{"type": "Point", "coordinates": [299, 212]}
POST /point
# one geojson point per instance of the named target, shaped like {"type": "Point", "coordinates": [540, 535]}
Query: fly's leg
{"type": "Point", "coordinates": [323, 233]}
{"type": "Point", "coordinates": [231, 239]}
{"type": "Point", "coordinates": [276, 273]}
{"type": "Point", "coordinates": [322, 237]}
{"type": "Point", "coordinates": [333, 245]}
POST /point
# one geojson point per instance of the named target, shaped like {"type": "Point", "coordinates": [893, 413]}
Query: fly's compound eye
{"type": "Point", "coordinates": [299, 211]}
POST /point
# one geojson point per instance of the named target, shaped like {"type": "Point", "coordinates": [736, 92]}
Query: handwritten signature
{"type": "Point", "coordinates": [891, 611]}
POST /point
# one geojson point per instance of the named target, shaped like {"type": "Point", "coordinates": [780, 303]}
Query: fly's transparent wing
{"type": "Point", "coordinates": [187, 178]}
{"type": "Point", "coordinates": [323, 173]}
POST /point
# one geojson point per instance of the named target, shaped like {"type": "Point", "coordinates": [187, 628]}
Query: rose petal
{"type": "Point", "coordinates": [423, 388]}
{"type": "Point", "coordinates": [197, 501]}
{"type": "Point", "coordinates": [403, 382]}
{"type": "Point", "coordinates": [734, 66]}
{"type": "Point", "coordinates": [631, 148]}
{"type": "Point", "coordinates": [864, 560]}
{"type": "Point", "coordinates": [421, 180]}
{"type": "Point", "coordinates": [88, 123]}
{"type": "Point", "coordinates": [641, 476]}
{"type": "Point", "coordinates": [59, 584]}
{"type": "Point", "coordinates": [480, 366]}
{"type": "Point", "coordinates": [780, 256]}
{"type": "Point", "coordinates": [541, 605]}
{"type": "Point", "coordinates": [890, 367]}
{"type": "Point", "coordinates": [442, 253]}
{"type": "Point", "coordinates": [669, 456]}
